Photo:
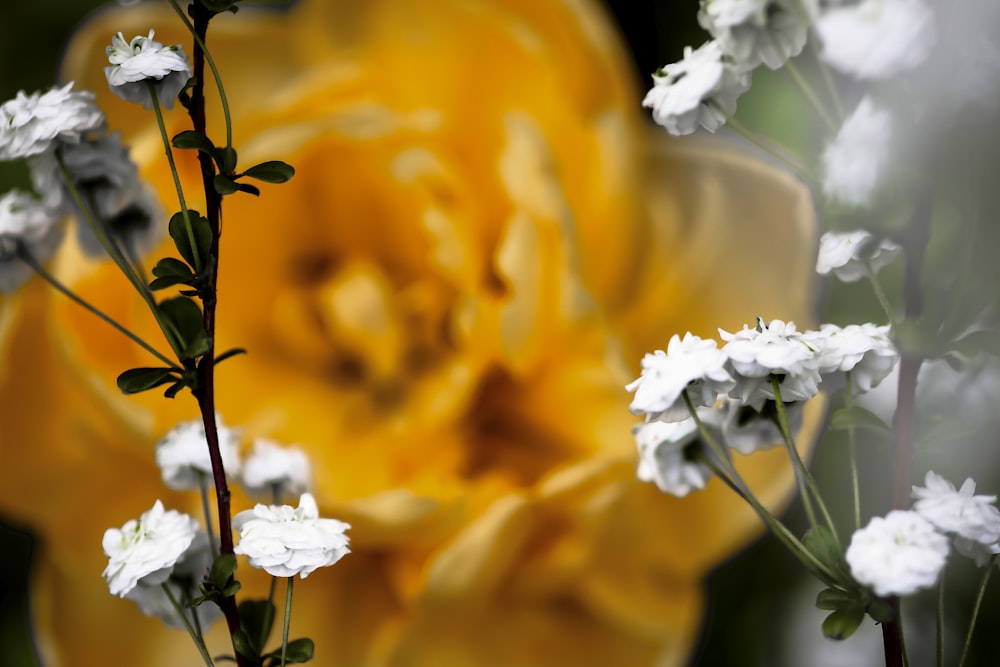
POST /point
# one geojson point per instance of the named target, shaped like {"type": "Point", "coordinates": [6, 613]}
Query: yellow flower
{"type": "Point", "coordinates": [442, 308]}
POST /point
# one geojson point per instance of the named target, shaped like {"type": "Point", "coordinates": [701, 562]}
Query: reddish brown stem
{"type": "Point", "coordinates": [206, 370]}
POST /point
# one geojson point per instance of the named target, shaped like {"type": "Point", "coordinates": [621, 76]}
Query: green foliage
{"type": "Point", "coordinates": [256, 622]}
{"type": "Point", "coordinates": [136, 380]}
{"type": "Point", "coordinates": [843, 622]}
{"type": "Point", "coordinates": [273, 171]}
{"type": "Point", "coordinates": [297, 651]}
{"type": "Point", "coordinates": [859, 417]}
{"type": "Point", "coordinates": [201, 230]}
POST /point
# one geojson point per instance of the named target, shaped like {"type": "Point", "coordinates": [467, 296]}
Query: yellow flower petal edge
{"type": "Point", "coordinates": [442, 308]}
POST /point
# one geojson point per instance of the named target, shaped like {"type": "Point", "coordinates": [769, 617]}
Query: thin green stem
{"type": "Point", "coordinates": [975, 611]}
{"type": "Point", "coordinates": [288, 620]}
{"type": "Point", "coordinates": [169, 152]}
{"type": "Point", "coordinates": [199, 642]}
{"type": "Point", "coordinates": [215, 73]}
{"type": "Point", "coordinates": [26, 257]}
{"type": "Point", "coordinates": [883, 300]}
{"type": "Point", "coordinates": [810, 95]}
{"type": "Point", "coordinates": [779, 155]}
{"type": "Point", "coordinates": [203, 487]}
{"type": "Point", "coordinates": [828, 82]}
{"type": "Point", "coordinates": [939, 624]}
{"type": "Point", "coordinates": [852, 454]}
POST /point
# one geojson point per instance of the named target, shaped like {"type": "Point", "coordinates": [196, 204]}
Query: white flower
{"type": "Point", "coordinates": [32, 124]}
{"type": "Point", "coordinates": [666, 456]}
{"type": "Point", "coordinates": [777, 350]}
{"type": "Point", "coordinates": [848, 255]}
{"type": "Point", "coordinates": [691, 364]}
{"type": "Point", "coordinates": [898, 554]}
{"type": "Point", "coordinates": [108, 180]}
{"type": "Point", "coordinates": [864, 350]}
{"type": "Point", "coordinates": [758, 31]}
{"type": "Point", "coordinates": [285, 541]}
{"type": "Point", "coordinates": [960, 512]}
{"type": "Point", "coordinates": [146, 549]}
{"type": "Point", "coordinates": [28, 224]}
{"type": "Point", "coordinates": [855, 162]}
{"type": "Point", "coordinates": [184, 581]}
{"type": "Point", "coordinates": [136, 64]}
{"type": "Point", "coordinates": [699, 90]}
{"type": "Point", "coordinates": [876, 39]}
{"type": "Point", "coordinates": [271, 465]}
{"type": "Point", "coordinates": [183, 459]}
{"type": "Point", "coordinates": [749, 430]}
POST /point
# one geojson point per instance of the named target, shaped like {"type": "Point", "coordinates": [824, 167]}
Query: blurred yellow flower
{"type": "Point", "coordinates": [442, 308]}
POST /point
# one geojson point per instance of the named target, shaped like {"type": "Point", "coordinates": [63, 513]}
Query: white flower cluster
{"type": "Point", "coordinates": [850, 256]}
{"type": "Point", "coordinates": [26, 226]}
{"type": "Point", "coordinates": [733, 390]}
{"type": "Point", "coordinates": [906, 550]}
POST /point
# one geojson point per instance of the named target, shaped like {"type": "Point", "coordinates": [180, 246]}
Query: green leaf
{"type": "Point", "coordinates": [842, 623]}
{"type": "Point", "coordinates": [196, 347]}
{"type": "Point", "coordinates": [257, 619]}
{"type": "Point", "coordinates": [243, 645]}
{"type": "Point", "coordinates": [202, 233]}
{"type": "Point", "coordinates": [249, 189]}
{"type": "Point", "coordinates": [858, 417]}
{"type": "Point", "coordinates": [174, 389]}
{"type": "Point", "coordinates": [224, 185]}
{"type": "Point", "coordinates": [170, 272]}
{"type": "Point", "coordinates": [881, 611]}
{"type": "Point", "coordinates": [137, 380]}
{"type": "Point", "coordinates": [833, 598]}
{"type": "Point", "coordinates": [274, 171]}
{"type": "Point", "coordinates": [225, 157]}
{"type": "Point", "coordinates": [186, 317]}
{"type": "Point", "coordinates": [229, 353]}
{"type": "Point", "coordinates": [222, 569]}
{"type": "Point", "coordinates": [231, 589]}
{"type": "Point", "coordinates": [191, 140]}
{"type": "Point", "coordinates": [297, 651]}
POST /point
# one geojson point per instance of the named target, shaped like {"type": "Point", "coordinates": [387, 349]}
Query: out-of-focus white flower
{"type": "Point", "coordinates": [876, 39]}
{"type": "Point", "coordinates": [848, 255]}
{"type": "Point", "coordinates": [863, 350]}
{"type": "Point", "coordinates": [855, 162]}
{"type": "Point", "coordinates": [271, 465]}
{"type": "Point", "coordinates": [700, 90]}
{"type": "Point", "coordinates": [758, 31]}
{"type": "Point", "coordinates": [32, 124]}
{"type": "Point", "coordinates": [183, 582]}
{"type": "Point", "coordinates": [748, 430]}
{"type": "Point", "coordinates": [25, 223]}
{"type": "Point", "coordinates": [898, 554]}
{"type": "Point", "coordinates": [960, 512]}
{"type": "Point", "coordinates": [108, 181]}
{"type": "Point", "coordinates": [146, 549]}
{"type": "Point", "coordinates": [182, 455]}
{"type": "Point", "coordinates": [136, 64]}
{"type": "Point", "coordinates": [285, 541]}
{"type": "Point", "coordinates": [693, 364]}
{"type": "Point", "coordinates": [667, 456]}
{"type": "Point", "coordinates": [774, 349]}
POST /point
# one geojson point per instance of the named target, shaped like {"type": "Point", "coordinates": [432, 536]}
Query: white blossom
{"type": "Point", "coordinates": [33, 124]}
{"type": "Point", "coordinates": [25, 224]}
{"type": "Point", "coordinates": [667, 456]}
{"type": "Point", "coordinates": [270, 465]}
{"type": "Point", "coordinates": [898, 554]}
{"type": "Point", "coordinates": [863, 350]}
{"type": "Point", "coordinates": [146, 549]}
{"type": "Point", "coordinates": [285, 541]}
{"type": "Point", "coordinates": [183, 458]}
{"type": "Point", "coordinates": [961, 512]}
{"type": "Point", "coordinates": [184, 580]}
{"type": "Point", "coordinates": [876, 39]}
{"type": "Point", "coordinates": [144, 61]}
{"type": "Point", "coordinates": [749, 430]}
{"type": "Point", "coordinates": [758, 31]}
{"type": "Point", "coordinates": [849, 255]}
{"type": "Point", "coordinates": [855, 162]}
{"type": "Point", "coordinates": [693, 364]}
{"type": "Point", "coordinates": [700, 90]}
{"type": "Point", "coordinates": [771, 350]}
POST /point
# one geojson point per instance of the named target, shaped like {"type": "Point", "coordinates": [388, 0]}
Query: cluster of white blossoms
{"type": "Point", "coordinates": [906, 551]}
{"type": "Point", "coordinates": [78, 169]}
{"type": "Point", "coordinates": [733, 390]}
{"type": "Point", "coordinates": [168, 549]}
{"type": "Point", "coordinates": [851, 256]}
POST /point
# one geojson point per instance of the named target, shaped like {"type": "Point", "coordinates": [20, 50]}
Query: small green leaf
{"type": "Point", "coordinates": [229, 353]}
{"type": "Point", "coordinates": [224, 185]}
{"type": "Point", "coordinates": [249, 189]}
{"type": "Point", "coordinates": [231, 589]}
{"type": "Point", "coordinates": [186, 317]}
{"type": "Point", "coordinates": [297, 651]}
{"type": "Point", "coordinates": [170, 272]}
{"type": "Point", "coordinates": [858, 417]}
{"type": "Point", "coordinates": [222, 569]}
{"type": "Point", "coordinates": [137, 380]}
{"type": "Point", "coordinates": [191, 140]}
{"type": "Point", "coordinates": [832, 598]}
{"type": "Point", "coordinates": [257, 619]}
{"type": "Point", "coordinates": [225, 158]}
{"type": "Point", "coordinates": [196, 347]}
{"type": "Point", "coordinates": [880, 610]}
{"type": "Point", "coordinates": [842, 623]}
{"type": "Point", "coordinates": [202, 232]}
{"type": "Point", "coordinates": [274, 171]}
{"type": "Point", "coordinates": [174, 389]}
{"type": "Point", "coordinates": [243, 645]}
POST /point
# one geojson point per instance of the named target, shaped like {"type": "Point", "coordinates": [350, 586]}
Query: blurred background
{"type": "Point", "coordinates": [760, 610]}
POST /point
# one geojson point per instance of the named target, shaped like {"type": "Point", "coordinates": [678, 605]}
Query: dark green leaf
{"type": "Point", "coordinates": [859, 418]}
{"type": "Point", "coordinates": [231, 589]}
{"type": "Point", "coordinates": [223, 658]}
{"type": "Point", "coordinates": [196, 347]}
{"type": "Point", "coordinates": [881, 610]}
{"type": "Point", "coordinates": [229, 353]}
{"type": "Point", "coordinates": [249, 189]}
{"type": "Point", "coordinates": [224, 185]}
{"type": "Point", "coordinates": [297, 651]}
{"type": "Point", "coordinates": [186, 317]}
{"type": "Point", "coordinates": [222, 569]}
{"type": "Point", "coordinates": [833, 598]}
{"type": "Point", "coordinates": [189, 139]}
{"type": "Point", "coordinates": [273, 171]}
{"type": "Point", "coordinates": [136, 380]}
{"type": "Point", "coordinates": [257, 619]}
{"type": "Point", "coordinates": [225, 158]}
{"type": "Point", "coordinates": [243, 645]}
{"type": "Point", "coordinates": [174, 389]}
{"type": "Point", "coordinates": [170, 272]}
{"type": "Point", "coordinates": [202, 232]}
{"type": "Point", "coordinates": [842, 623]}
